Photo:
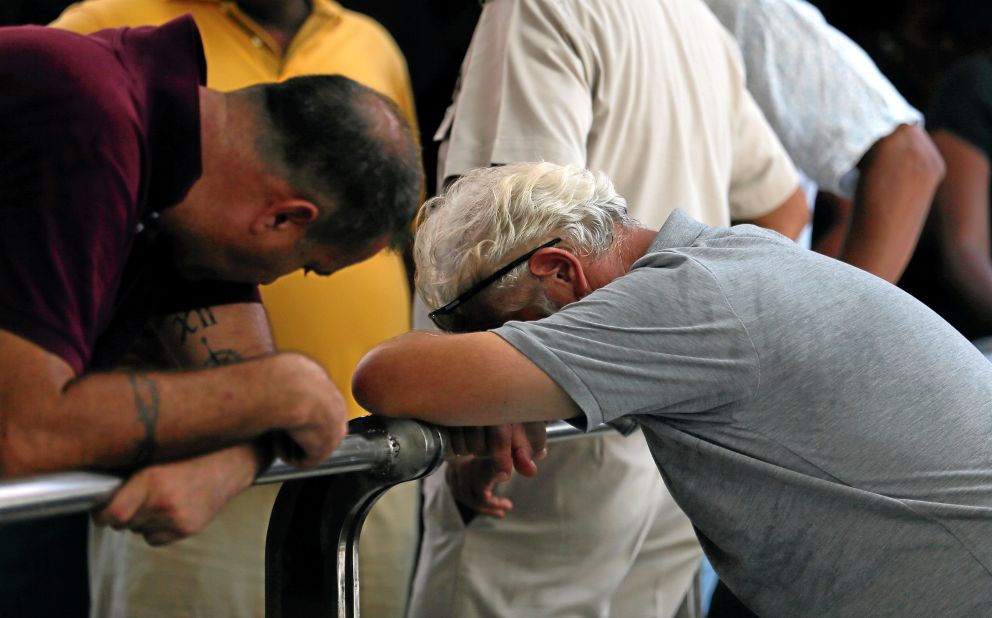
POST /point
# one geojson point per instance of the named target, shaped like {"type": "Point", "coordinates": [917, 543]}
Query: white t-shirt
{"type": "Point", "coordinates": [825, 98]}
{"type": "Point", "coordinates": [651, 92]}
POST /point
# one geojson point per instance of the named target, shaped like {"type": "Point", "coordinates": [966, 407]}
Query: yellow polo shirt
{"type": "Point", "coordinates": [336, 320]}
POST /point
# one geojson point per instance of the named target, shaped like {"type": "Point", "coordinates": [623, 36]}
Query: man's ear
{"type": "Point", "coordinates": [562, 274]}
{"type": "Point", "coordinates": [285, 216]}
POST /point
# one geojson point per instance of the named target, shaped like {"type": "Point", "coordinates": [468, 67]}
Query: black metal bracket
{"type": "Point", "coordinates": [311, 550]}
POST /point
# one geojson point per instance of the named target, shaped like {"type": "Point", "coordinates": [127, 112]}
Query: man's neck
{"type": "Point", "coordinates": [629, 247]}
{"type": "Point", "coordinates": [281, 18]}
{"type": "Point", "coordinates": [214, 117]}
{"type": "Point", "coordinates": [635, 245]}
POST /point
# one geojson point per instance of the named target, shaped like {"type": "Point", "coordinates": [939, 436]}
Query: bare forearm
{"type": "Point", "coordinates": [215, 336]}
{"type": "Point", "coordinates": [898, 179]}
{"type": "Point", "coordinates": [472, 379]}
{"type": "Point", "coordinates": [122, 420]}
{"type": "Point", "coordinates": [831, 224]}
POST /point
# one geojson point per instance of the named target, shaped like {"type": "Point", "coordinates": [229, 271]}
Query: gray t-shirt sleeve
{"type": "Point", "coordinates": [655, 341]}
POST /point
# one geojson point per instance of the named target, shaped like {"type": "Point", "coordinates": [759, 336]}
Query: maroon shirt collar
{"type": "Point", "coordinates": [169, 67]}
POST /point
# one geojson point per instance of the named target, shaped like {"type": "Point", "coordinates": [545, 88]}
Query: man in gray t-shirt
{"type": "Point", "coordinates": [828, 435]}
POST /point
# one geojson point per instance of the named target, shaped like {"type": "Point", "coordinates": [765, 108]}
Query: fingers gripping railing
{"type": "Point", "coordinates": [72, 492]}
{"type": "Point", "coordinates": [311, 555]}
{"type": "Point", "coordinates": [312, 545]}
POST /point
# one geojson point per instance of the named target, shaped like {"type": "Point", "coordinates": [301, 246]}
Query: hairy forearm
{"type": "Point", "coordinates": [239, 465]}
{"type": "Point", "coordinates": [471, 379]}
{"type": "Point", "coordinates": [899, 176]}
{"type": "Point", "coordinates": [124, 420]}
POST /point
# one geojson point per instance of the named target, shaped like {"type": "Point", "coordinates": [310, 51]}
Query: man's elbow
{"type": "Point", "coordinates": [916, 154]}
{"type": "Point", "coordinates": [17, 456]}
{"type": "Point", "coordinates": [372, 387]}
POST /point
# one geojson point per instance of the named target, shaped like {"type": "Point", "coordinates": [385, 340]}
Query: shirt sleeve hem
{"type": "Point", "coordinates": [44, 337]}
{"type": "Point", "coordinates": [840, 176]}
{"type": "Point", "coordinates": [778, 185]}
{"type": "Point", "coordinates": [508, 150]}
{"type": "Point", "coordinates": [562, 375]}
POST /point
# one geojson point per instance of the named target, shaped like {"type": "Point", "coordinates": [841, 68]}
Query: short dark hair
{"type": "Point", "coordinates": [331, 137]}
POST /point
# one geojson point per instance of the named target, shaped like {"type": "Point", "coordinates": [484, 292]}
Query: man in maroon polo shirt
{"type": "Point", "coordinates": [133, 199]}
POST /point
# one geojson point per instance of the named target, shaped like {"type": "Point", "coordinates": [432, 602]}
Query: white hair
{"type": "Point", "coordinates": [491, 216]}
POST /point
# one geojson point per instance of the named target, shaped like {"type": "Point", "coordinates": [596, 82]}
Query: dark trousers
{"type": "Point", "coordinates": [43, 568]}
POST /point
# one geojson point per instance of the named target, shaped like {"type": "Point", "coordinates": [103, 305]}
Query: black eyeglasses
{"type": "Point", "coordinates": [444, 317]}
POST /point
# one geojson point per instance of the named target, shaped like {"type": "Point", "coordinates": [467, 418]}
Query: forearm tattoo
{"type": "Point", "coordinates": [216, 358]}
{"type": "Point", "coordinates": [194, 321]}
{"type": "Point", "coordinates": [146, 403]}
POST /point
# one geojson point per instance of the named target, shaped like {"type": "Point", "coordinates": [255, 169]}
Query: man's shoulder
{"type": "Point", "coordinates": [60, 50]}
{"type": "Point", "coordinates": [364, 25]}
{"type": "Point", "coordinates": [94, 15]}
{"type": "Point", "coordinates": [365, 34]}
{"type": "Point", "coordinates": [56, 71]}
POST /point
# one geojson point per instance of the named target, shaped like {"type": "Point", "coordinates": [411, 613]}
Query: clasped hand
{"type": "Point", "coordinates": [488, 455]}
{"type": "Point", "coordinates": [168, 502]}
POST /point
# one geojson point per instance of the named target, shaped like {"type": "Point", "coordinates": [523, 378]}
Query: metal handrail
{"type": "Point", "coordinates": [48, 495]}
{"type": "Point", "coordinates": [311, 555]}
{"type": "Point", "coordinates": [311, 551]}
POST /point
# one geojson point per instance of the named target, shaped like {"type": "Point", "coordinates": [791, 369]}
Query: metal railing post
{"type": "Point", "coordinates": [311, 551]}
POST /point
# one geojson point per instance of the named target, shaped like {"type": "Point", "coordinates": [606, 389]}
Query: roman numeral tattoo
{"type": "Point", "coordinates": [198, 320]}
{"type": "Point", "coordinates": [192, 322]}
{"type": "Point", "coordinates": [146, 403]}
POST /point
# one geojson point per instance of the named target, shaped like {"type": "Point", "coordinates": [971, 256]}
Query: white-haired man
{"type": "Point", "coordinates": [827, 435]}
{"type": "Point", "coordinates": [651, 92]}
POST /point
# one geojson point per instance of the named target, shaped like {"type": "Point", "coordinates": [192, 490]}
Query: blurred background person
{"type": "Point", "coordinates": [847, 128]}
{"type": "Point", "coordinates": [952, 270]}
{"type": "Point", "coordinates": [334, 320]}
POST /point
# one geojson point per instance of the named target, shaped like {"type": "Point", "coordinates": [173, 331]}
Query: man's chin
{"type": "Point", "coordinates": [202, 273]}
{"type": "Point", "coordinates": [196, 272]}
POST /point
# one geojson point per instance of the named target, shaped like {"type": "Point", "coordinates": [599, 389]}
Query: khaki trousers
{"type": "Point", "coordinates": [595, 534]}
{"type": "Point", "coordinates": [220, 572]}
